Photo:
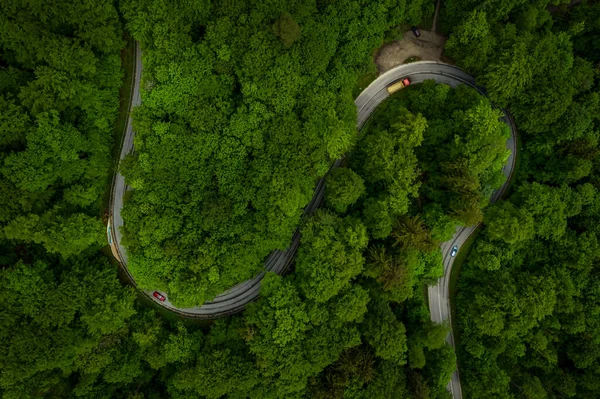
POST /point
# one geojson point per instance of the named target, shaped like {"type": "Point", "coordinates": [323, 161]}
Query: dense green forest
{"type": "Point", "coordinates": [529, 295]}
{"type": "Point", "coordinates": [59, 86]}
{"type": "Point", "coordinates": [245, 106]}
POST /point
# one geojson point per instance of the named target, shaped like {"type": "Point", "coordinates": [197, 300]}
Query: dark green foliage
{"type": "Point", "coordinates": [394, 271]}
{"type": "Point", "coordinates": [296, 338]}
{"type": "Point", "coordinates": [525, 312]}
{"type": "Point", "coordinates": [286, 29]}
{"type": "Point", "coordinates": [527, 290]}
{"type": "Point", "coordinates": [58, 322]}
{"type": "Point", "coordinates": [385, 333]}
{"type": "Point", "coordinates": [386, 161]}
{"type": "Point", "coordinates": [459, 145]}
{"type": "Point", "coordinates": [523, 63]}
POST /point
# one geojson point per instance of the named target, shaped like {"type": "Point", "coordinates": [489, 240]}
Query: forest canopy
{"type": "Point", "coordinates": [528, 294]}
{"type": "Point", "coordinates": [59, 94]}
{"type": "Point", "coordinates": [228, 85]}
{"type": "Point", "coordinates": [245, 106]}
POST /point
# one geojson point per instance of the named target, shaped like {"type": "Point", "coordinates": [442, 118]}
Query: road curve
{"type": "Point", "coordinates": [235, 299]}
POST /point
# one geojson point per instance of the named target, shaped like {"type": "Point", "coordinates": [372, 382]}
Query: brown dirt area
{"type": "Point", "coordinates": [428, 46]}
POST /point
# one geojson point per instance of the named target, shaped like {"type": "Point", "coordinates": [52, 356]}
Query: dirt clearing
{"type": "Point", "coordinates": [428, 46]}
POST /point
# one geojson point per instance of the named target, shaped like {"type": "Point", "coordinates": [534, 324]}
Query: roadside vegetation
{"type": "Point", "coordinates": [245, 106]}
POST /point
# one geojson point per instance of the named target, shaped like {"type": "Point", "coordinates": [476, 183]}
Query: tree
{"type": "Point", "coordinates": [330, 255]}
{"type": "Point", "coordinates": [473, 33]}
{"type": "Point", "coordinates": [548, 208]}
{"type": "Point", "coordinates": [377, 217]}
{"type": "Point", "coordinates": [385, 333]}
{"type": "Point", "coordinates": [508, 223]}
{"type": "Point", "coordinates": [386, 161]}
{"type": "Point", "coordinates": [395, 272]}
{"type": "Point", "coordinates": [344, 187]}
{"type": "Point", "coordinates": [56, 336]}
{"type": "Point", "coordinates": [287, 29]}
{"type": "Point", "coordinates": [59, 100]}
{"type": "Point", "coordinates": [64, 235]}
{"type": "Point", "coordinates": [410, 232]}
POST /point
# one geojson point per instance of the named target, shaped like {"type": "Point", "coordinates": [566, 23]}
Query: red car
{"type": "Point", "coordinates": [159, 296]}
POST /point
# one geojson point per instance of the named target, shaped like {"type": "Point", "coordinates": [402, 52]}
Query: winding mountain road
{"type": "Point", "coordinates": [235, 299]}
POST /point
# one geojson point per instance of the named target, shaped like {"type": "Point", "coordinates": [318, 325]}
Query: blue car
{"type": "Point", "coordinates": [454, 251]}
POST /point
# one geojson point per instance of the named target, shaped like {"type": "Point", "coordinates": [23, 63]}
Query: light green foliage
{"type": "Point", "coordinates": [59, 85]}
{"type": "Point", "coordinates": [385, 333]}
{"type": "Point", "coordinates": [245, 107]}
{"type": "Point", "coordinates": [330, 255]}
{"type": "Point", "coordinates": [441, 364]}
{"type": "Point", "coordinates": [387, 157]}
{"type": "Point", "coordinates": [290, 317]}
{"type": "Point", "coordinates": [67, 236]}
{"type": "Point", "coordinates": [51, 155]}
{"type": "Point", "coordinates": [344, 187]}
{"type": "Point", "coordinates": [508, 223]}
{"type": "Point", "coordinates": [432, 266]}
{"type": "Point", "coordinates": [386, 161]}
{"type": "Point", "coordinates": [428, 336]}
{"type": "Point", "coordinates": [377, 217]}
{"type": "Point", "coordinates": [442, 225]}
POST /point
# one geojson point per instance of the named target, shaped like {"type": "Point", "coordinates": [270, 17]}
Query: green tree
{"type": "Point", "coordinates": [330, 255]}
{"type": "Point", "coordinates": [287, 29]}
{"type": "Point", "coordinates": [507, 222]}
{"type": "Point", "coordinates": [344, 187]}
{"type": "Point", "coordinates": [385, 333]}
{"type": "Point", "coordinates": [410, 232]}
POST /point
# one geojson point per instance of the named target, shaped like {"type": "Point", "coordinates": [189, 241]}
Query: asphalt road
{"type": "Point", "coordinates": [235, 299]}
{"type": "Point", "coordinates": [118, 186]}
{"type": "Point", "coordinates": [367, 102]}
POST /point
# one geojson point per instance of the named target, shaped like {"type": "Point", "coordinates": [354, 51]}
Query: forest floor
{"type": "Point", "coordinates": [427, 47]}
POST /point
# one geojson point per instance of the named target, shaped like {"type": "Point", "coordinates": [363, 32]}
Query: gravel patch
{"type": "Point", "coordinates": [427, 47]}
